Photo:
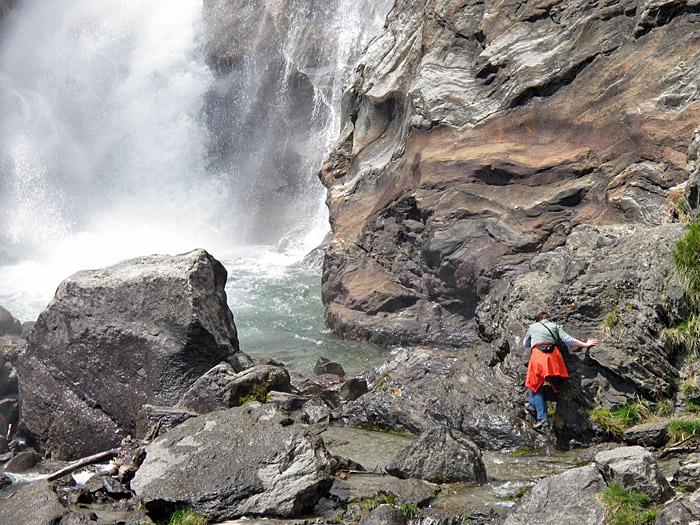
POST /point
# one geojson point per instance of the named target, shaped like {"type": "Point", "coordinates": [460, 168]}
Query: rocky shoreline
{"type": "Point", "coordinates": [238, 438]}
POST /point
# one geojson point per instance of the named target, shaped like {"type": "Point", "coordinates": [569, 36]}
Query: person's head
{"type": "Point", "coordinates": [541, 316]}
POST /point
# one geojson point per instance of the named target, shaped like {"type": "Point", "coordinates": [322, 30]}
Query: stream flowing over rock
{"type": "Point", "coordinates": [247, 460]}
{"type": "Point", "coordinates": [141, 331]}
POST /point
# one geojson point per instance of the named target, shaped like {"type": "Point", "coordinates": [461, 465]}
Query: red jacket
{"type": "Point", "coordinates": [543, 365]}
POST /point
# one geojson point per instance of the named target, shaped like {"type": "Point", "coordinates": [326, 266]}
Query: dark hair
{"type": "Point", "coordinates": [542, 315]}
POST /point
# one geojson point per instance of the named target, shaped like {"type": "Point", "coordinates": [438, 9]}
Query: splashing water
{"type": "Point", "coordinates": [130, 127]}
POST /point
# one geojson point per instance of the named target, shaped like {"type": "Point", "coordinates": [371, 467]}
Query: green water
{"type": "Point", "coordinates": [278, 313]}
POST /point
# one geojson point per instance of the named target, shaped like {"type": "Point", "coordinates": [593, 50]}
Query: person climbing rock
{"type": "Point", "coordinates": [546, 340]}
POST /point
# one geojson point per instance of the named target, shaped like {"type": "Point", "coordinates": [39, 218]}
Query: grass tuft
{"type": "Point", "coordinates": [616, 420]}
{"type": "Point", "coordinates": [624, 507]}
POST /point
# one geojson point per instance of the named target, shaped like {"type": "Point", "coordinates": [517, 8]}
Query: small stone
{"type": "Point", "coordinates": [325, 366]}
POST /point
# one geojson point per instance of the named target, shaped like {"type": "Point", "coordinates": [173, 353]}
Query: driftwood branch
{"type": "Point", "coordinates": [89, 460]}
{"type": "Point", "coordinates": [108, 454]}
{"type": "Point", "coordinates": [676, 447]}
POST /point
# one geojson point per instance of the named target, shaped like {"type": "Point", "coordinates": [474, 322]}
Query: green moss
{"type": "Point", "coordinates": [526, 451]}
{"type": "Point", "coordinates": [373, 427]}
{"type": "Point", "coordinates": [257, 392]}
{"type": "Point", "coordinates": [390, 498]}
{"type": "Point", "coordinates": [369, 504]}
{"type": "Point", "coordinates": [517, 495]}
{"type": "Point", "coordinates": [624, 507]}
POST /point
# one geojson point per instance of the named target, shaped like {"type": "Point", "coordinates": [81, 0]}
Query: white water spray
{"type": "Point", "coordinates": [117, 139]}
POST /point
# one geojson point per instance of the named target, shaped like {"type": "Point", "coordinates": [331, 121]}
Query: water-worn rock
{"type": "Point", "coordinates": [650, 434]}
{"type": "Point", "coordinates": [315, 411]}
{"type": "Point", "coordinates": [141, 331]}
{"type": "Point", "coordinates": [440, 455]}
{"type": "Point", "coordinates": [221, 387]}
{"type": "Point", "coordinates": [33, 504]}
{"type": "Point", "coordinates": [362, 486]}
{"type": "Point", "coordinates": [8, 324]}
{"type": "Point", "coordinates": [235, 462]}
{"type": "Point", "coordinates": [286, 401]}
{"type": "Point", "coordinates": [168, 417]}
{"type": "Point", "coordinates": [384, 515]}
{"type": "Point", "coordinates": [478, 135]}
{"type": "Point", "coordinates": [687, 477]}
{"type": "Point", "coordinates": [614, 283]}
{"type": "Point", "coordinates": [23, 461]}
{"type": "Point", "coordinates": [675, 513]}
{"type": "Point", "coordinates": [635, 469]}
{"type": "Point", "coordinates": [325, 366]}
{"type": "Point", "coordinates": [570, 497]}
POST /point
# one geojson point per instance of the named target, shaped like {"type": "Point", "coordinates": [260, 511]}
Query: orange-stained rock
{"type": "Point", "coordinates": [476, 136]}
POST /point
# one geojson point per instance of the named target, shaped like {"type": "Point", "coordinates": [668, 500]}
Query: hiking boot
{"type": "Point", "coordinates": [542, 424]}
{"type": "Point", "coordinates": [530, 408]}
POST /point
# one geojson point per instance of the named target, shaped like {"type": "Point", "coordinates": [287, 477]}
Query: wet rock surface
{"type": "Point", "coordinates": [571, 496]}
{"type": "Point", "coordinates": [440, 455]}
{"type": "Point", "coordinates": [141, 331]}
{"type": "Point", "coordinates": [266, 467]}
{"type": "Point", "coordinates": [34, 504]}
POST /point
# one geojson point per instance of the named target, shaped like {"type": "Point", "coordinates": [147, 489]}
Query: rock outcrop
{"type": "Point", "coordinates": [230, 463]}
{"type": "Point", "coordinates": [141, 331]}
{"type": "Point", "coordinates": [421, 388]}
{"type": "Point", "coordinates": [635, 469]}
{"type": "Point", "coordinates": [479, 136]}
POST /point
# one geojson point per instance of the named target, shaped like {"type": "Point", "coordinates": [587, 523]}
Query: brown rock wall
{"type": "Point", "coordinates": [550, 115]}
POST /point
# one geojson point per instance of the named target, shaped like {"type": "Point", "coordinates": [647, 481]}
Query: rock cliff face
{"type": "Point", "coordinates": [497, 159]}
{"type": "Point", "coordinates": [478, 135]}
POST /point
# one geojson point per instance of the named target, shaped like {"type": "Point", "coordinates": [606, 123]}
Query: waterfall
{"type": "Point", "coordinates": [130, 127]}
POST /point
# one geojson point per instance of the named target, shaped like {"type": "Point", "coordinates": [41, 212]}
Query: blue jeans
{"type": "Point", "coordinates": [537, 400]}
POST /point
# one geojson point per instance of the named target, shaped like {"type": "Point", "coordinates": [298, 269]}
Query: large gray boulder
{"type": "Point", "coordinates": [141, 331]}
{"type": "Point", "coordinates": [33, 504]}
{"type": "Point", "coordinates": [440, 455]}
{"type": "Point", "coordinates": [570, 497]}
{"type": "Point", "coordinates": [635, 469]}
{"type": "Point", "coordinates": [242, 461]}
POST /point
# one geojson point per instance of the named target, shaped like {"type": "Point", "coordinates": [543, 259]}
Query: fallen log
{"type": "Point", "coordinates": [676, 447]}
{"type": "Point", "coordinates": [89, 460]}
{"type": "Point", "coordinates": [128, 445]}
